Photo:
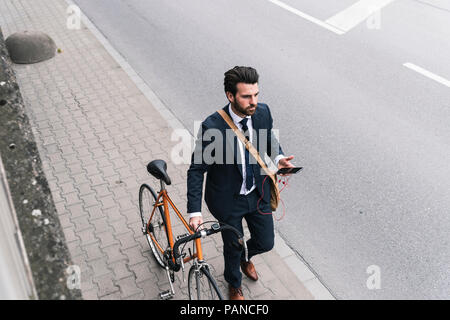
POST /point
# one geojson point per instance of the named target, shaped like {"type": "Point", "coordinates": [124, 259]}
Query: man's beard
{"type": "Point", "coordinates": [244, 110]}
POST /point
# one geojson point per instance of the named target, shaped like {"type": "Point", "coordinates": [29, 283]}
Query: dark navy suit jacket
{"type": "Point", "coordinates": [224, 178]}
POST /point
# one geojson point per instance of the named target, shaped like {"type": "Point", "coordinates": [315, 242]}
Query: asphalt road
{"type": "Point", "coordinates": [372, 133]}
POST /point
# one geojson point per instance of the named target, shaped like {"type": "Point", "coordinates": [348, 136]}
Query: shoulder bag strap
{"type": "Point", "coordinates": [246, 143]}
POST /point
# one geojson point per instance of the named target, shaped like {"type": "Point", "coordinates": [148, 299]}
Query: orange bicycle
{"type": "Point", "coordinates": [157, 228]}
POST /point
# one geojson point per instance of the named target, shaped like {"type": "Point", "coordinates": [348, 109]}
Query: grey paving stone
{"type": "Point", "coordinates": [106, 285]}
{"type": "Point", "coordinates": [120, 269]}
{"type": "Point", "coordinates": [87, 236]}
{"type": "Point", "coordinates": [128, 287]}
{"type": "Point", "coordinates": [72, 199]}
{"type": "Point", "coordinates": [107, 202]}
{"type": "Point", "coordinates": [70, 235]}
{"type": "Point", "coordinates": [97, 179]}
{"type": "Point", "coordinates": [101, 190]}
{"type": "Point", "coordinates": [80, 178]}
{"type": "Point", "coordinates": [84, 189]}
{"type": "Point", "coordinates": [142, 272]}
{"type": "Point", "coordinates": [82, 223]}
{"type": "Point", "coordinates": [99, 268]}
{"type": "Point", "coordinates": [91, 294]}
{"type": "Point", "coordinates": [114, 215]}
{"type": "Point", "coordinates": [151, 291]}
{"type": "Point", "coordinates": [134, 255]}
{"type": "Point", "coordinates": [89, 200]}
{"type": "Point", "coordinates": [93, 251]}
{"type": "Point", "coordinates": [65, 221]}
{"type": "Point", "coordinates": [107, 238]}
{"type": "Point", "coordinates": [100, 225]}
{"type": "Point", "coordinates": [120, 226]}
{"type": "Point", "coordinates": [280, 292]}
{"type": "Point", "coordinates": [112, 296]}
{"type": "Point", "coordinates": [95, 212]}
{"type": "Point", "coordinates": [114, 253]}
{"type": "Point", "coordinates": [87, 284]}
{"type": "Point", "coordinates": [75, 248]}
{"type": "Point", "coordinates": [126, 240]}
{"type": "Point", "coordinates": [255, 288]}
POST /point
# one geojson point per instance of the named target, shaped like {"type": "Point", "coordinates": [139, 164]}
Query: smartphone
{"type": "Point", "coordinates": [289, 170]}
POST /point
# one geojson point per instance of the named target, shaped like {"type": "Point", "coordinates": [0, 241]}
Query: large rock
{"type": "Point", "coordinates": [30, 47]}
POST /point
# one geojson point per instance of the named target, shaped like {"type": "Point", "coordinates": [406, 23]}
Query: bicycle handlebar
{"type": "Point", "coordinates": [215, 228]}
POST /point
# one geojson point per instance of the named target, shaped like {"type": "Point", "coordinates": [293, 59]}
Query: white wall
{"type": "Point", "coordinates": [15, 276]}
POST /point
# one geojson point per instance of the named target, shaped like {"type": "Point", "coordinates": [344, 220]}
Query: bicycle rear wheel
{"type": "Point", "coordinates": [155, 229]}
{"type": "Point", "coordinates": [201, 284]}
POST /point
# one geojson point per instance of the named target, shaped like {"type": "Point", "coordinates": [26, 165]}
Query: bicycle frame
{"type": "Point", "coordinates": [166, 201]}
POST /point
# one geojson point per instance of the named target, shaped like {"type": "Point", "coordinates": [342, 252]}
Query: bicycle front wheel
{"type": "Point", "coordinates": [156, 232]}
{"type": "Point", "coordinates": [201, 284]}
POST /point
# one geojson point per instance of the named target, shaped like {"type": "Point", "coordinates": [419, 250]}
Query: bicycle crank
{"type": "Point", "coordinates": [168, 294]}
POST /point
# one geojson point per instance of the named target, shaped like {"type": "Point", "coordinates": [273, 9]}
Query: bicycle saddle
{"type": "Point", "coordinates": [158, 169]}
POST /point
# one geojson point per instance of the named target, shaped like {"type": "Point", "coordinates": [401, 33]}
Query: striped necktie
{"type": "Point", "coordinates": [248, 167]}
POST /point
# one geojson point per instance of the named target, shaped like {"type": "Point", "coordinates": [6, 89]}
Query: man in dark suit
{"type": "Point", "coordinates": [236, 187]}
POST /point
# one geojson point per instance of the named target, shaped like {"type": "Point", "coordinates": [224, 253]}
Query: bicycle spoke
{"type": "Point", "coordinates": [201, 284]}
{"type": "Point", "coordinates": [198, 285]}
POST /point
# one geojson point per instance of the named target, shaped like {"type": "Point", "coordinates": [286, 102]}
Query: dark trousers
{"type": "Point", "coordinates": [261, 235]}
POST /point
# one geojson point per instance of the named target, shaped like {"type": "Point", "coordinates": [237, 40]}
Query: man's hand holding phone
{"type": "Point", "coordinates": [285, 163]}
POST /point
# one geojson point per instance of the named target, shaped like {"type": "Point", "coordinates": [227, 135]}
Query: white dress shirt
{"type": "Point", "coordinates": [236, 119]}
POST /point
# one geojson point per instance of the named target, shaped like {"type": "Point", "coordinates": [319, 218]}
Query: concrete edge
{"type": "Point", "coordinates": [40, 228]}
{"type": "Point", "coordinates": [29, 282]}
{"type": "Point", "coordinates": [303, 272]}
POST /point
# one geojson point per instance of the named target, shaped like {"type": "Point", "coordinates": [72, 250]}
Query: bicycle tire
{"type": "Point", "coordinates": [201, 285]}
{"type": "Point", "coordinates": [157, 227]}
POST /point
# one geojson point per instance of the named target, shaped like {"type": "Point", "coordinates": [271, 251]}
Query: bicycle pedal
{"type": "Point", "coordinates": [166, 295]}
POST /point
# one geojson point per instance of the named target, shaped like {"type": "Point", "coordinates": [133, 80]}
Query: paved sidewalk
{"type": "Point", "coordinates": [96, 131]}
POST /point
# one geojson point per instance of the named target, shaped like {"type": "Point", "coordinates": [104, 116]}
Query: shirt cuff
{"type": "Point", "coordinates": [278, 158]}
{"type": "Point", "coordinates": [195, 214]}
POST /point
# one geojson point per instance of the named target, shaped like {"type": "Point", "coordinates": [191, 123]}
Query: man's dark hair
{"type": "Point", "coordinates": [239, 74]}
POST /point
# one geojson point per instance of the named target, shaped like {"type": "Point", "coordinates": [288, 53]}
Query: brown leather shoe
{"type": "Point", "coordinates": [249, 270]}
{"type": "Point", "coordinates": [236, 293]}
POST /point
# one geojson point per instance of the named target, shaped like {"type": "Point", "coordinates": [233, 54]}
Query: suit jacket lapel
{"type": "Point", "coordinates": [256, 123]}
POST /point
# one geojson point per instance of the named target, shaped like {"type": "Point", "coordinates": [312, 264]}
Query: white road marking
{"type": "Point", "coordinates": [307, 17]}
{"type": "Point", "coordinates": [356, 13]}
{"type": "Point", "coordinates": [427, 74]}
